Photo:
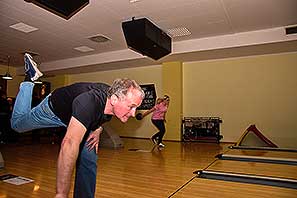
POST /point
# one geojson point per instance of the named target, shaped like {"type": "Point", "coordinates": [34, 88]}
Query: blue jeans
{"type": "Point", "coordinates": [25, 119]}
{"type": "Point", "coordinates": [86, 170]}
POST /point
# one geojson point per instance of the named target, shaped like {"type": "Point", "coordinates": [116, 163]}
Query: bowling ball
{"type": "Point", "coordinates": [139, 116]}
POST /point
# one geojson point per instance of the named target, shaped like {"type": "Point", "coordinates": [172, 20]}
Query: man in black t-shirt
{"type": "Point", "coordinates": [82, 108]}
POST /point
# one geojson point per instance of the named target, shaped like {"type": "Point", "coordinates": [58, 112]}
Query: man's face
{"type": "Point", "coordinates": [124, 108]}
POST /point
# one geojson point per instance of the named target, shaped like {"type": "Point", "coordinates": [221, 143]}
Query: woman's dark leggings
{"type": "Point", "coordinates": [161, 127]}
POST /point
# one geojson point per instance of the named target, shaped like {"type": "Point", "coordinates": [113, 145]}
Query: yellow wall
{"type": "Point", "coordinates": [57, 81]}
{"type": "Point", "coordinates": [167, 79]}
{"type": "Point", "coordinates": [172, 86]}
{"type": "Point", "coordinates": [257, 90]}
{"type": "Point", "coordinates": [252, 90]}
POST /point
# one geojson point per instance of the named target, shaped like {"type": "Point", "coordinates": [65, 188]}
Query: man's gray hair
{"type": "Point", "coordinates": [120, 87]}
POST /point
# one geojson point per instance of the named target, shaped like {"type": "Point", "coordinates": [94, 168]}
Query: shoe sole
{"type": "Point", "coordinates": [38, 74]}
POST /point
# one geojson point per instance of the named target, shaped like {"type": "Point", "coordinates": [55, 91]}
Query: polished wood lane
{"type": "Point", "coordinates": [255, 168]}
{"type": "Point", "coordinates": [146, 173]}
{"type": "Point", "coordinates": [262, 153]}
{"type": "Point", "coordinates": [206, 188]}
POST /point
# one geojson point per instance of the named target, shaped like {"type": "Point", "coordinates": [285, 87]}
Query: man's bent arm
{"type": "Point", "coordinates": [68, 156]}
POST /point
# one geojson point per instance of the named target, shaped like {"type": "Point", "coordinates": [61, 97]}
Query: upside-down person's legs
{"type": "Point", "coordinates": [86, 170]}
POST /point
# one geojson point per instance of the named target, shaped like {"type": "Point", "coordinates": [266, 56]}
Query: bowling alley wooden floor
{"type": "Point", "coordinates": [147, 172]}
{"type": "Point", "coordinates": [140, 170]}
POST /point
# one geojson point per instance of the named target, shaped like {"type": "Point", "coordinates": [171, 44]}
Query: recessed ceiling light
{"type": "Point", "coordinates": [23, 27]}
{"type": "Point", "coordinates": [133, 1]}
{"type": "Point", "coordinates": [177, 32]}
{"type": "Point", "coordinates": [84, 49]}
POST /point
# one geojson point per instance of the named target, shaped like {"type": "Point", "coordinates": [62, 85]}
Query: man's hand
{"type": "Point", "coordinates": [93, 139]}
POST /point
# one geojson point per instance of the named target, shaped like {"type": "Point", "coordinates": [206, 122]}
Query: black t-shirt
{"type": "Point", "coordinates": [84, 101]}
{"type": "Point", "coordinates": [4, 106]}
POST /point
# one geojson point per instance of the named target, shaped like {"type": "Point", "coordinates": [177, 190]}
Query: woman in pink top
{"type": "Point", "coordinates": [158, 118]}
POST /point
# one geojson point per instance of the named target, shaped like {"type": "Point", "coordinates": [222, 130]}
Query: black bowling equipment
{"type": "Point", "coordinates": [139, 116]}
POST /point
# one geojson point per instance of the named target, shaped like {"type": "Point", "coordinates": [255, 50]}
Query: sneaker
{"type": "Point", "coordinates": [161, 145]}
{"type": "Point", "coordinates": [154, 140]}
{"type": "Point", "coordinates": [31, 69]}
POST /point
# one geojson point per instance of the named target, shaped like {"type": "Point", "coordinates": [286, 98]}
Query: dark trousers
{"type": "Point", "coordinates": [161, 127]}
{"type": "Point", "coordinates": [4, 127]}
{"type": "Point", "coordinates": [86, 170]}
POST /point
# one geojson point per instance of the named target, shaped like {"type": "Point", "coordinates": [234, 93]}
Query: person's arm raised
{"type": "Point", "coordinates": [68, 156]}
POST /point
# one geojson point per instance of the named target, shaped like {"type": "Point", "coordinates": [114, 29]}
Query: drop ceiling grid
{"type": "Point", "coordinates": [46, 30]}
{"type": "Point", "coordinates": [216, 25]}
{"type": "Point", "coordinates": [19, 40]}
{"type": "Point", "coordinates": [123, 10]}
{"type": "Point", "coordinates": [161, 12]}
{"type": "Point", "coordinates": [51, 24]}
{"type": "Point", "coordinates": [264, 15]}
{"type": "Point", "coordinates": [44, 37]}
{"type": "Point", "coordinates": [57, 37]}
{"type": "Point", "coordinates": [99, 13]}
{"type": "Point", "coordinates": [174, 16]}
{"type": "Point", "coordinates": [102, 23]}
{"type": "Point", "coordinates": [6, 21]}
{"type": "Point", "coordinates": [157, 6]}
{"type": "Point", "coordinates": [97, 29]}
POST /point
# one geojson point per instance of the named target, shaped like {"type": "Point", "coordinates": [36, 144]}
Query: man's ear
{"type": "Point", "coordinates": [113, 99]}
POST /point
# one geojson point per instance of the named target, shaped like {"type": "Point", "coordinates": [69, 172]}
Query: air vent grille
{"type": "Point", "coordinates": [99, 38]}
{"type": "Point", "coordinates": [178, 32]}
